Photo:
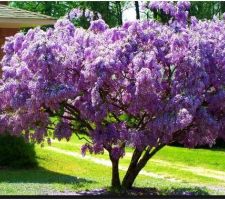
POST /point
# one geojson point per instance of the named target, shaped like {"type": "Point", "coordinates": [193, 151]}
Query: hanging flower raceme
{"type": "Point", "coordinates": [177, 11]}
{"type": "Point", "coordinates": [77, 13]}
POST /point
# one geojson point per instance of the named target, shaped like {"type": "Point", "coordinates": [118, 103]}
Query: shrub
{"type": "Point", "coordinates": [15, 152]}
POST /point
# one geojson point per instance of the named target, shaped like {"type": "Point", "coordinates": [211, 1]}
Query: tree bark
{"type": "Point", "coordinates": [137, 166]}
{"type": "Point", "coordinates": [119, 12]}
{"type": "Point", "coordinates": [115, 184]}
{"type": "Point", "coordinates": [130, 177]}
{"type": "Point", "coordinates": [137, 10]}
{"type": "Point", "coordinates": [131, 171]}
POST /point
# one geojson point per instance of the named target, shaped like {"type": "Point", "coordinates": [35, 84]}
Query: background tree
{"type": "Point", "coordinates": [137, 9]}
{"type": "Point", "coordinates": [111, 11]}
{"type": "Point", "coordinates": [199, 9]}
{"type": "Point", "coordinates": [206, 10]}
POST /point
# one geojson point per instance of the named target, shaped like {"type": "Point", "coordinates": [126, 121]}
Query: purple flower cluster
{"type": "Point", "coordinates": [62, 130]}
{"type": "Point", "coordinates": [98, 26]}
{"type": "Point", "coordinates": [141, 84]}
{"type": "Point", "coordinates": [77, 13]}
{"type": "Point", "coordinates": [178, 11]}
{"type": "Point", "coordinates": [86, 147]}
{"type": "Point", "coordinates": [167, 7]}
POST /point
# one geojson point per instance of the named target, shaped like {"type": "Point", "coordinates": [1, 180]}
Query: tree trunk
{"type": "Point", "coordinates": [130, 177]}
{"type": "Point", "coordinates": [131, 171]}
{"type": "Point", "coordinates": [137, 165]}
{"type": "Point", "coordinates": [134, 170]}
{"type": "Point", "coordinates": [137, 10]}
{"type": "Point", "coordinates": [115, 174]}
{"type": "Point", "coordinates": [119, 13]}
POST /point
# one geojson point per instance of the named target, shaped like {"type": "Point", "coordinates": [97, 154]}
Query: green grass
{"type": "Point", "coordinates": [212, 159]}
{"type": "Point", "coordinates": [60, 172]}
{"type": "Point", "coordinates": [173, 158]}
{"type": "Point", "coordinates": [57, 172]}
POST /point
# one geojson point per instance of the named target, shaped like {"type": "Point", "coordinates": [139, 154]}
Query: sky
{"type": "Point", "coordinates": [129, 14]}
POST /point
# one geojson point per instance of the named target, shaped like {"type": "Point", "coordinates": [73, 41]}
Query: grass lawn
{"type": "Point", "coordinates": [61, 168]}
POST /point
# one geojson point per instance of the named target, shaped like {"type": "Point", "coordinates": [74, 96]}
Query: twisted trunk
{"type": "Point", "coordinates": [132, 172]}
{"type": "Point", "coordinates": [137, 164]}
{"type": "Point", "coordinates": [130, 177]}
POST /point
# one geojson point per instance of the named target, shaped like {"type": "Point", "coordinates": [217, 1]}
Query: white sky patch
{"type": "Point", "coordinates": [129, 14]}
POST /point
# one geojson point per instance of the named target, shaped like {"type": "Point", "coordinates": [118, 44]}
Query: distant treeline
{"type": "Point", "coordinates": [112, 11]}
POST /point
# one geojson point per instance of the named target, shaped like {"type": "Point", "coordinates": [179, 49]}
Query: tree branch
{"type": "Point", "coordinates": [142, 162]}
{"type": "Point", "coordinates": [76, 113]}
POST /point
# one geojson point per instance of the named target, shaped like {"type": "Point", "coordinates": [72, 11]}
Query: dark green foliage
{"type": "Point", "coordinates": [16, 153]}
{"type": "Point", "coordinates": [52, 8]}
{"type": "Point", "coordinates": [219, 144]}
{"type": "Point", "coordinates": [162, 17]}
{"type": "Point", "coordinates": [111, 11]}
{"type": "Point", "coordinates": [206, 9]}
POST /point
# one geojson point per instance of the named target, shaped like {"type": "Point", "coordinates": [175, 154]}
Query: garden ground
{"type": "Point", "coordinates": [62, 170]}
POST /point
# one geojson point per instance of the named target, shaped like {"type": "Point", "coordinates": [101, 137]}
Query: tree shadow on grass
{"type": "Point", "coordinates": [137, 192]}
{"type": "Point", "coordinates": [196, 191]}
{"type": "Point", "coordinates": [150, 192]}
{"type": "Point", "coordinates": [220, 149]}
{"type": "Point", "coordinates": [40, 175]}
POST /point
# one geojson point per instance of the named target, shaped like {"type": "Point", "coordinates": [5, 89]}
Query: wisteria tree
{"type": "Point", "coordinates": [144, 85]}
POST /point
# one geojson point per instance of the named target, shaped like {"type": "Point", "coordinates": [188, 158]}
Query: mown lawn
{"type": "Point", "coordinates": [61, 170]}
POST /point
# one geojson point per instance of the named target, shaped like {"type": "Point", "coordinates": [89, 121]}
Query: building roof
{"type": "Point", "coordinates": [17, 18]}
